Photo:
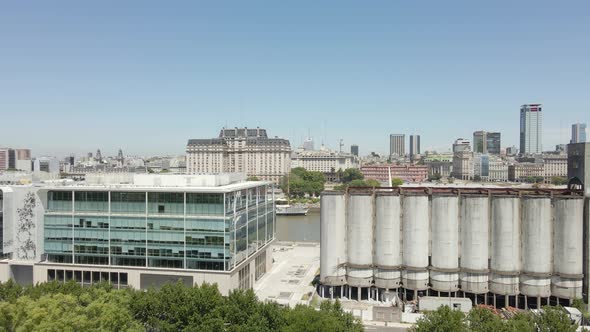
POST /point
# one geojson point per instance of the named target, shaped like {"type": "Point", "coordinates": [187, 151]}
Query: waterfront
{"type": "Point", "coordinates": [299, 228]}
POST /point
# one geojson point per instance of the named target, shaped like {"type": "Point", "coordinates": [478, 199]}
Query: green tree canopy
{"type": "Point", "coordinates": [396, 182]}
{"type": "Point", "coordinates": [301, 182]}
{"type": "Point", "coordinates": [173, 307]}
{"type": "Point", "coordinates": [351, 174]}
{"type": "Point", "coordinates": [444, 319]}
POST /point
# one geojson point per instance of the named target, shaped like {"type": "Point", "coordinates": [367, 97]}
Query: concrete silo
{"type": "Point", "coordinates": [388, 251]}
{"type": "Point", "coordinates": [333, 241]}
{"type": "Point", "coordinates": [535, 280]}
{"type": "Point", "coordinates": [505, 260]}
{"type": "Point", "coordinates": [568, 247]}
{"type": "Point", "coordinates": [415, 224]}
{"type": "Point", "coordinates": [444, 274]}
{"type": "Point", "coordinates": [359, 234]}
{"type": "Point", "coordinates": [474, 247]}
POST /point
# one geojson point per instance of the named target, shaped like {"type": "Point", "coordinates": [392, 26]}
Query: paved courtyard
{"type": "Point", "coordinates": [293, 269]}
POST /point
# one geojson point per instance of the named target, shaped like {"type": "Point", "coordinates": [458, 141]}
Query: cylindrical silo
{"type": "Point", "coordinates": [444, 274]}
{"type": "Point", "coordinates": [505, 263]}
{"type": "Point", "coordinates": [474, 243]}
{"type": "Point", "coordinates": [535, 280]}
{"type": "Point", "coordinates": [415, 241]}
{"type": "Point", "coordinates": [388, 253]}
{"type": "Point", "coordinates": [568, 247]}
{"type": "Point", "coordinates": [333, 239]}
{"type": "Point", "coordinates": [359, 270]}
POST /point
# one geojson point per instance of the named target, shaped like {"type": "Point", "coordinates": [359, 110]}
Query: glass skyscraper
{"type": "Point", "coordinates": [531, 129]}
{"type": "Point", "coordinates": [578, 133]}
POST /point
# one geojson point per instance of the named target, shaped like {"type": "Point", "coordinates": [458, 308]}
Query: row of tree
{"type": "Point", "coordinates": [445, 319]}
{"type": "Point", "coordinates": [174, 307]}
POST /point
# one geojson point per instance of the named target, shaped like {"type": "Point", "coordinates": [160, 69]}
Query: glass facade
{"type": "Point", "coordinates": [204, 231]}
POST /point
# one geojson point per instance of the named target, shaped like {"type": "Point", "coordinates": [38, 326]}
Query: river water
{"type": "Point", "coordinates": [299, 228]}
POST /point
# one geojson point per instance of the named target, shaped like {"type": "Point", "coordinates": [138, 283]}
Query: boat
{"type": "Point", "coordinates": [283, 208]}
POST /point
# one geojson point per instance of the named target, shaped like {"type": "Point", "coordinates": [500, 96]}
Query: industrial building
{"type": "Point", "coordinates": [139, 232]}
{"type": "Point", "coordinates": [498, 246]}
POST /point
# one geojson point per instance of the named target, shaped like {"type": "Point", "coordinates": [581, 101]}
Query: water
{"type": "Point", "coordinates": [299, 228]}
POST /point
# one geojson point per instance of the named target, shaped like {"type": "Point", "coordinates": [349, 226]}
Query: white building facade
{"type": "Point", "coordinates": [324, 161]}
{"type": "Point", "coordinates": [240, 150]}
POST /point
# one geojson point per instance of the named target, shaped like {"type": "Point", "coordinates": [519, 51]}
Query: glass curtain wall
{"type": "Point", "coordinates": [157, 229]}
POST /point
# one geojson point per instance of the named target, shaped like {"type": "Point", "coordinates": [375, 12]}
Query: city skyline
{"type": "Point", "coordinates": [145, 78]}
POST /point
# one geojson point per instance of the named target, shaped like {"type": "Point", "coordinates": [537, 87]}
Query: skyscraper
{"type": "Point", "coordinates": [308, 144]}
{"type": "Point", "coordinates": [354, 150]}
{"type": "Point", "coordinates": [414, 146]}
{"type": "Point", "coordinates": [531, 129]}
{"type": "Point", "coordinates": [494, 142]}
{"type": "Point", "coordinates": [578, 133]}
{"type": "Point", "coordinates": [486, 142]}
{"type": "Point", "coordinates": [480, 142]}
{"type": "Point", "coordinates": [397, 145]}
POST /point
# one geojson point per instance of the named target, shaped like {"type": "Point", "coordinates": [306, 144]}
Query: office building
{"type": "Point", "coordinates": [408, 173]}
{"type": "Point", "coordinates": [354, 150]}
{"type": "Point", "coordinates": [326, 161]}
{"type": "Point", "coordinates": [578, 165]}
{"type": "Point", "coordinates": [526, 171]}
{"type": "Point", "coordinates": [4, 159]}
{"type": "Point", "coordinates": [241, 150]}
{"type": "Point", "coordinates": [414, 146]}
{"type": "Point", "coordinates": [397, 145]}
{"type": "Point", "coordinates": [15, 159]}
{"type": "Point", "coordinates": [480, 142]}
{"type": "Point", "coordinates": [463, 165]}
{"type": "Point", "coordinates": [487, 142]}
{"type": "Point", "coordinates": [578, 133]}
{"type": "Point", "coordinates": [494, 143]}
{"type": "Point", "coordinates": [461, 144]}
{"type": "Point", "coordinates": [531, 129]}
{"type": "Point", "coordinates": [308, 144]}
{"type": "Point", "coordinates": [157, 229]}
{"type": "Point", "coordinates": [46, 164]}
{"type": "Point", "coordinates": [554, 165]}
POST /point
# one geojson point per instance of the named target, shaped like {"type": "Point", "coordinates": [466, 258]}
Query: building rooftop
{"type": "Point", "coordinates": [212, 183]}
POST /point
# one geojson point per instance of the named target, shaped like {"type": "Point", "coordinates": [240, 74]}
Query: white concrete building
{"type": "Point", "coordinates": [325, 161]}
{"type": "Point", "coordinates": [463, 165]}
{"type": "Point", "coordinates": [240, 150]}
{"type": "Point", "coordinates": [554, 165]}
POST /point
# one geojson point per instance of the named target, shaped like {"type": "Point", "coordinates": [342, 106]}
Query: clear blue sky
{"type": "Point", "coordinates": [148, 75]}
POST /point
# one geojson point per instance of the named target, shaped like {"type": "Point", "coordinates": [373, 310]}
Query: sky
{"type": "Point", "coordinates": [146, 76]}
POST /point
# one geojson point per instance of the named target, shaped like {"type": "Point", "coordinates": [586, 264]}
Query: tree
{"type": "Point", "coordinates": [351, 174]}
{"type": "Point", "coordinates": [372, 183]}
{"type": "Point", "coordinates": [558, 180]}
{"type": "Point", "coordinates": [434, 177]}
{"type": "Point", "coordinates": [444, 319]}
{"type": "Point", "coordinates": [301, 182]}
{"type": "Point", "coordinates": [253, 178]}
{"type": "Point", "coordinates": [483, 320]}
{"type": "Point", "coordinates": [396, 182]}
{"type": "Point", "coordinates": [554, 319]}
